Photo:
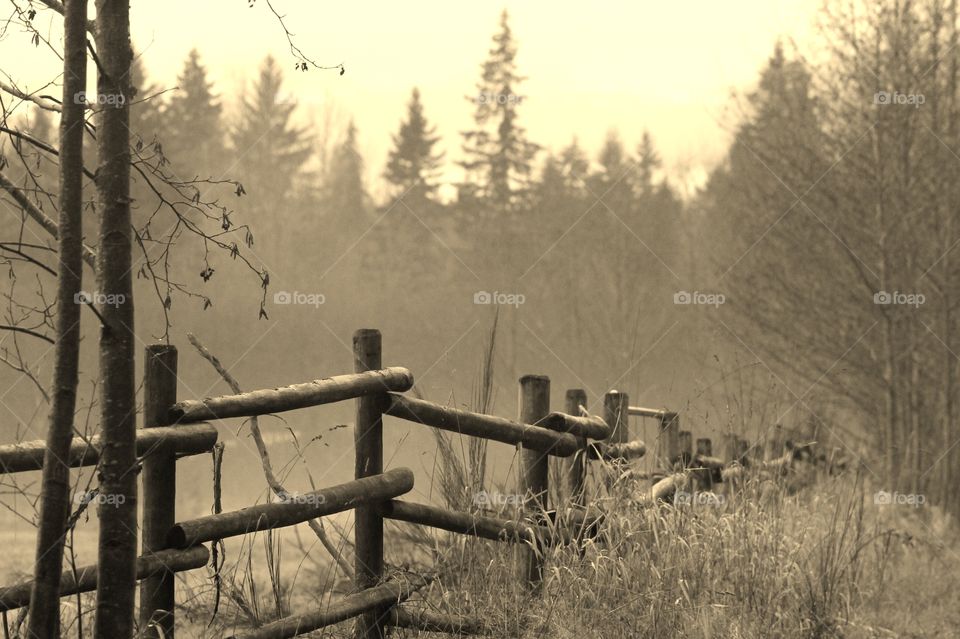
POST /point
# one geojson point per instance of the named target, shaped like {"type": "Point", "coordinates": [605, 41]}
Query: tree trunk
{"type": "Point", "coordinates": [117, 551]}
{"type": "Point", "coordinates": [44, 620]}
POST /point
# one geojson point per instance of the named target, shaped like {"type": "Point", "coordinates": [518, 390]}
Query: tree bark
{"type": "Point", "coordinates": [117, 550]}
{"type": "Point", "coordinates": [44, 622]}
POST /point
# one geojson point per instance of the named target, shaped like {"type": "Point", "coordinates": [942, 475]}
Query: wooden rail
{"type": "Point", "coordinates": [85, 577]}
{"type": "Point", "coordinates": [479, 425]}
{"type": "Point", "coordinates": [379, 597]}
{"type": "Point", "coordinates": [192, 439]}
{"type": "Point", "coordinates": [278, 400]}
{"type": "Point", "coordinates": [297, 509]}
{"type": "Point", "coordinates": [465, 523]}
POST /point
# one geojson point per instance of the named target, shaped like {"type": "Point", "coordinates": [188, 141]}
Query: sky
{"type": "Point", "coordinates": [668, 67]}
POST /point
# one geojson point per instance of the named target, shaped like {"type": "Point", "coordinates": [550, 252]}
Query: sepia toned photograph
{"type": "Point", "coordinates": [522, 320]}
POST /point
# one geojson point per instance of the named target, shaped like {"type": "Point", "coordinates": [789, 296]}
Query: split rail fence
{"type": "Point", "coordinates": [175, 429]}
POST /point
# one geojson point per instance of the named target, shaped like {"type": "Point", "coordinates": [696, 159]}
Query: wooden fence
{"type": "Point", "coordinates": [175, 429]}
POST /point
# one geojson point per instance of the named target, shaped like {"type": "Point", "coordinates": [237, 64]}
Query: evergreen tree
{"type": "Point", "coordinates": [345, 195]}
{"type": "Point", "coordinates": [499, 158]}
{"type": "Point", "coordinates": [270, 149]}
{"type": "Point", "coordinates": [413, 165]}
{"type": "Point", "coordinates": [193, 141]}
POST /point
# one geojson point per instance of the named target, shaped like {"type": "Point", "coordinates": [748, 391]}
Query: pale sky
{"type": "Point", "coordinates": [666, 66]}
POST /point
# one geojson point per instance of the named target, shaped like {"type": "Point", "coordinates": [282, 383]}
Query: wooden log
{"type": "Point", "coordinates": [592, 427]}
{"type": "Point", "coordinates": [278, 400]}
{"type": "Point", "coordinates": [668, 442]}
{"type": "Point", "coordinates": [368, 445]}
{"type": "Point", "coordinates": [534, 470]}
{"type": "Point", "coordinates": [428, 621]}
{"type": "Point", "coordinates": [704, 447]}
{"type": "Point", "coordinates": [378, 598]}
{"type": "Point", "coordinates": [294, 510]}
{"type": "Point", "coordinates": [575, 400]}
{"type": "Point", "coordinates": [485, 426]}
{"type": "Point", "coordinates": [617, 452]}
{"type": "Point", "coordinates": [646, 412]}
{"type": "Point", "coordinates": [159, 478]}
{"type": "Point", "coordinates": [492, 528]}
{"type": "Point", "coordinates": [85, 578]}
{"type": "Point", "coordinates": [616, 415]}
{"type": "Point", "coordinates": [686, 446]}
{"type": "Point", "coordinates": [189, 439]}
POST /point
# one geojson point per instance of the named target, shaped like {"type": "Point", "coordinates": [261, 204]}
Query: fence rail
{"type": "Point", "coordinates": [177, 429]}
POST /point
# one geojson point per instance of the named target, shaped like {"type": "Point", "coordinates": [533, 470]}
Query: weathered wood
{"type": "Point", "coordinates": [376, 600]}
{"type": "Point", "coordinates": [296, 509]}
{"type": "Point", "coordinates": [492, 528]}
{"type": "Point", "coordinates": [485, 426]}
{"type": "Point", "coordinates": [159, 490]}
{"type": "Point", "coordinates": [776, 443]}
{"type": "Point", "coordinates": [428, 621]}
{"type": "Point", "coordinates": [686, 446]}
{"type": "Point", "coordinates": [575, 400]}
{"type": "Point", "coordinates": [592, 427]}
{"type": "Point", "coordinates": [368, 524]}
{"type": "Point", "coordinates": [85, 577]}
{"type": "Point", "coordinates": [704, 447]}
{"type": "Point", "coordinates": [534, 469]}
{"type": "Point", "coordinates": [616, 415]}
{"type": "Point", "coordinates": [624, 451]}
{"type": "Point", "coordinates": [668, 441]}
{"type": "Point", "coordinates": [646, 412]}
{"type": "Point", "coordinates": [278, 400]}
{"type": "Point", "coordinates": [189, 439]}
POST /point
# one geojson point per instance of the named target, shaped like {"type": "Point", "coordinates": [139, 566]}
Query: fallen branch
{"type": "Point", "coordinates": [316, 525]}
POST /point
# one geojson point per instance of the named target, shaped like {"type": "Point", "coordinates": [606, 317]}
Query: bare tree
{"type": "Point", "coordinates": [55, 493]}
{"type": "Point", "coordinates": [117, 550]}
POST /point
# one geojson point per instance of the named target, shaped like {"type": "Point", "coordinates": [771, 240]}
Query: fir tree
{"type": "Point", "coordinates": [499, 158]}
{"type": "Point", "coordinates": [413, 165]}
{"type": "Point", "coordinates": [193, 141]}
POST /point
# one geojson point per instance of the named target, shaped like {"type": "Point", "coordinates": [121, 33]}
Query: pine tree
{"type": "Point", "coordinates": [345, 194]}
{"type": "Point", "coordinates": [193, 141]}
{"type": "Point", "coordinates": [499, 158]}
{"type": "Point", "coordinates": [270, 148]}
{"type": "Point", "coordinates": [413, 165]}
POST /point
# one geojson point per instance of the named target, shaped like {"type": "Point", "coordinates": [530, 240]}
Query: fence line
{"type": "Point", "coordinates": [174, 429]}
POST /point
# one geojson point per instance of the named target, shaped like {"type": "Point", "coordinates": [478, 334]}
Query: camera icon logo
{"type": "Point", "coordinates": [82, 298]}
{"type": "Point", "coordinates": [482, 297]}
{"type": "Point", "coordinates": [881, 97]}
{"type": "Point", "coordinates": [882, 297]}
{"type": "Point", "coordinates": [682, 297]}
{"type": "Point", "coordinates": [282, 297]}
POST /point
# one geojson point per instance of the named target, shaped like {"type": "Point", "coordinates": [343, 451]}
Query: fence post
{"type": "Point", "coordinates": [534, 468]}
{"type": "Point", "coordinates": [575, 398]}
{"type": "Point", "coordinates": [730, 447]}
{"type": "Point", "coordinates": [368, 524]}
{"type": "Point", "coordinates": [668, 443]}
{"type": "Point", "coordinates": [615, 405]}
{"type": "Point", "coordinates": [705, 447]}
{"type": "Point", "coordinates": [159, 490]}
{"type": "Point", "coordinates": [686, 447]}
{"type": "Point", "coordinates": [775, 443]}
